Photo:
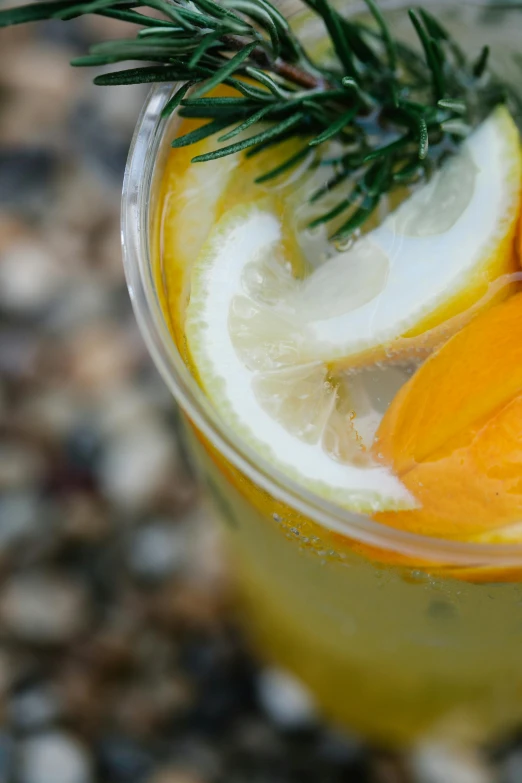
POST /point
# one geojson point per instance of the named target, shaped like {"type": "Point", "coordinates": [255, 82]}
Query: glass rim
{"type": "Point", "coordinates": [135, 234]}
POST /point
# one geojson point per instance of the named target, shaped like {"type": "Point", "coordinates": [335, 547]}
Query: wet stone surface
{"type": "Point", "coordinates": [120, 660]}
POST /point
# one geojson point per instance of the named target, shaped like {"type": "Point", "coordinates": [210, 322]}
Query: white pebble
{"type": "Point", "coordinates": [29, 277]}
{"type": "Point", "coordinates": [285, 699]}
{"type": "Point", "coordinates": [54, 757]}
{"type": "Point", "coordinates": [136, 463]}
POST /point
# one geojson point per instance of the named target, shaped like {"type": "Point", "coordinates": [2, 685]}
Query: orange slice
{"type": "Point", "coordinates": [453, 434]}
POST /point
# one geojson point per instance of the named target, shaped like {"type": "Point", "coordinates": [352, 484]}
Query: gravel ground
{"type": "Point", "coordinates": [120, 661]}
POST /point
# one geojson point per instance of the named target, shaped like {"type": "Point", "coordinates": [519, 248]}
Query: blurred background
{"type": "Point", "coordinates": [120, 658]}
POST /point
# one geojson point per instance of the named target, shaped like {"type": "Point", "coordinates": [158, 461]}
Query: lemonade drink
{"type": "Point", "coordinates": [358, 429]}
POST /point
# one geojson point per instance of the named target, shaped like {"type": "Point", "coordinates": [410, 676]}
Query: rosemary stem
{"type": "Point", "coordinates": [288, 71]}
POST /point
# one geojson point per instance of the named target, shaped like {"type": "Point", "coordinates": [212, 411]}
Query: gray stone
{"type": "Point", "coordinates": [124, 761]}
{"type": "Point", "coordinates": [512, 768]}
{"type": "Point", "coordinates": [18, 352]}
{"type": "Point", "coordinates": [157, 550]}
{"type": "Point", "coordinates": [6, 757]}
{"type": "Point", "coordinates": [83, 304]}
{"type": "Point", "coordinates": [43, 607]}
{"type": "Point", "coordinates": [19, 512]}
{"type": "Point", "coordinates": [56, 411]}
{"type": "Point", "coordinates": [54, 757]}
{"type": "Point", "coordinates": [119, 108]}
{"type": "Point", "coordinates": [33, 708]}
{"type": "Point", "coordinates": [123, 407]}
{"type": "Point", "coordinates": [7, 673]}
{"type": "Point", "coordinates": [26, 175]}
{"type": "Point", "coordinates": [21, 465]}
{"type": "Point", "coordinates": [338, 747]}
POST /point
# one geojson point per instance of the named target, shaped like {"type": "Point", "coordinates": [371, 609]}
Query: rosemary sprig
{"type": "Point", "coordinates": [394, 111]}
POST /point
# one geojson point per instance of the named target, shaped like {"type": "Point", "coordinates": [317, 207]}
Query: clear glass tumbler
{"type": "Point", "coordinates": [398, 636]}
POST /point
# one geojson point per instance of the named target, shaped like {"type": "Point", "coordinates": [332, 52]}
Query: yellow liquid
{"type": "Point", "coordinates": [388, 650]}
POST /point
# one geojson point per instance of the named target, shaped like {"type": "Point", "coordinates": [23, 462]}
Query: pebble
{"type": "Point", "coordinates": [136, 463]}
{"type": "Point", "coordinates": [38, 69]}
{"type": "Point", "coordinates": [84, 518]}
{"type": "Point", "coordinates": [33, 708]}
{"type": "Point", "coordinates": [339, 748]}
{"type": "Point", "coordinates": [7, 673]}
{"type": "Point", "coordinates": [201, 757]}
{"type": "Point", "coordinates": [43, 607]}
{"type": "Point", "coordinates": [53, 412]}
{"type": "Point", "coordinates": [26, 174]}
{"type": "Point", "coordinates": [122, 407]}
{"type": "Point", "coordinates": [19, 512]}
{"type": "Point", "coordinates": [90, 302]}
{"type": "Point", "coordinates": [83, 445]}
{"type": "Point", "coordinates": [21, 465]}
{"type": "Point", "coordinates": [119, 107]}
{"type": "Point", "coordinates": [101, 355]}
{"type": "Point", "coordinates": [71, 249]}
{"type": "Point", "coordinates": [104, 146]}
{"type": "Point", "coordinates": [511, 770]}
{"type": "Point", "coordinates": [54, 757]}
{"type": "Point", "coordinates": [439, 763]}
{"type": "Point", "coordinates": [29, 277]}
{"type": "Point", "coordinates": [18, 352]}
{"type": "Point", "coordinates": [124, 761]}
{"type": "Point", "coordinates": [285, 699]}
{"type": "Point", "coordinates": [41, 91]}
{"type": "Point", "coordinates": [6, 757]}
{"type": "Point", "coordinates": [79, 187]}
{"type": "Point", "coordinates": [157, 550]}
{"type": "Point", "coordinates": [389, 767]}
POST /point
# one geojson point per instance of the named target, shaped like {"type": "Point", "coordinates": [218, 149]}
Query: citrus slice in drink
{"type": "Point", "coordinates": [292, 412]}
{"type": "Point", "coordinates": [271, 346]}
{"type": "Point", "coordinates": [454, 434]}
{"type": "Point", "coordinates": [435, 261]}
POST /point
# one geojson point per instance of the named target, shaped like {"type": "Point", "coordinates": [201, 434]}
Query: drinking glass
{"type": "Point", "coordinates": [398, 636]}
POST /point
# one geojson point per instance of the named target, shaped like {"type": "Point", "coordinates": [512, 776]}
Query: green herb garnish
{"type": "Point", "coordinates": [393, 112]}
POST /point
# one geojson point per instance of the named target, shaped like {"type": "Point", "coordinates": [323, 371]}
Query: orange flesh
{"type": "Point", "coordinates": [454, 433]}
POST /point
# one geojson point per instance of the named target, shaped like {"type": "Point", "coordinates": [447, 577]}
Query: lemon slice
{"type": "Point", "coordinates": [415, 278]}
{"type": "Point", "coordinates": [291, 412]}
